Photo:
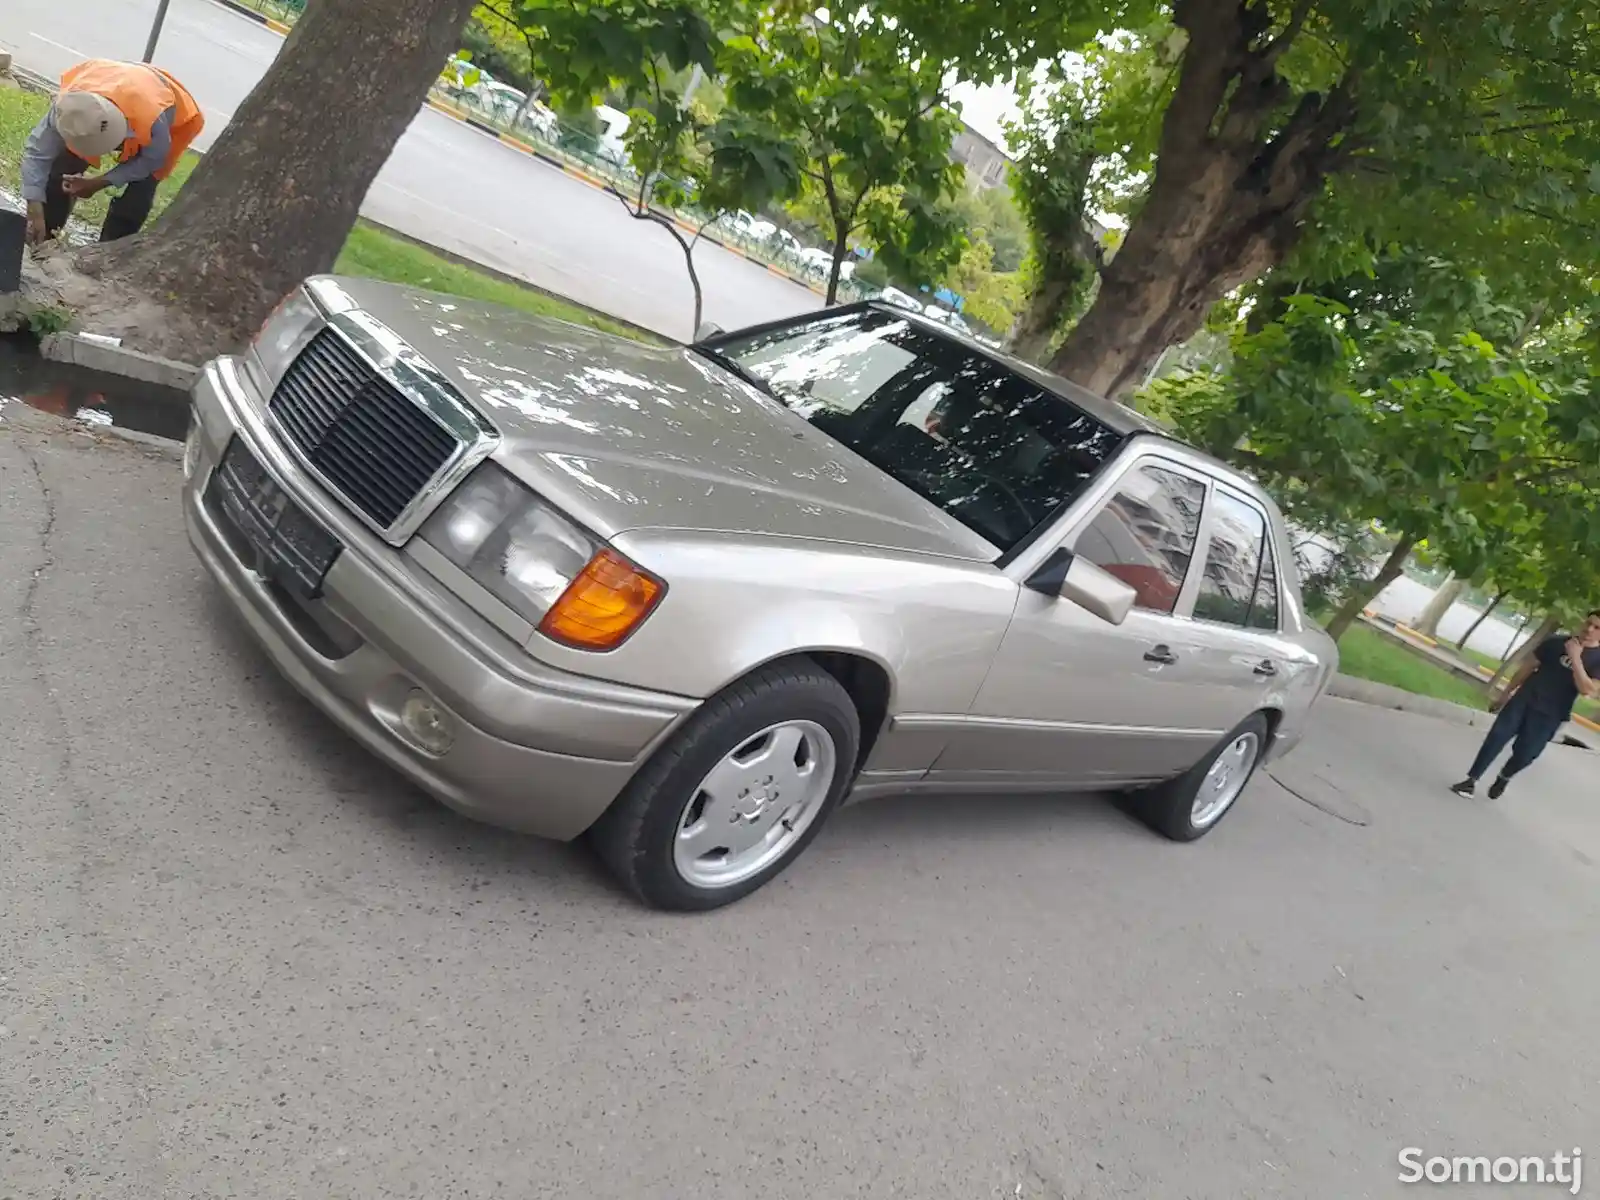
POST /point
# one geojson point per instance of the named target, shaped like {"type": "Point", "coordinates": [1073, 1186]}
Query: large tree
{"type": "Point", "coordinates": [1422, 424]}
{"type": "Point", "coordinates": [278, 192]}
{"type": "Point", "coordinates": [1439, 115]}
{"type": "Point", "coordinates": [864, 105]}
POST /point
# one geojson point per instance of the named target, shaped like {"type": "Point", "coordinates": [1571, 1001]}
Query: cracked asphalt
{"type": "Point", "coordinates": [238, 958]}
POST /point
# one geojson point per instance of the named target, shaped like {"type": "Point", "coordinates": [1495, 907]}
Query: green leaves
{"type": "Point", "coordinates": [1486, 446]}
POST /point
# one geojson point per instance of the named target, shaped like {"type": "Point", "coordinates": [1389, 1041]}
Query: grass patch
{"type": "Point", "coordinates": [1367, 654]}
{"type": "Point", "coordinates": [375, 254]}
{"type": "Point", "coordinates": [368, 252]}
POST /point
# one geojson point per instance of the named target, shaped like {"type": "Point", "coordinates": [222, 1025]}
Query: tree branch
{"type": "Point", "coordinates": [1274, 50]}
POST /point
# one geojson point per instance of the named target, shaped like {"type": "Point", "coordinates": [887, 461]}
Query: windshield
{"type": "Point", "coordinates": [996, 452]}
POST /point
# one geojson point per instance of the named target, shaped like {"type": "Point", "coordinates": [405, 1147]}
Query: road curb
{"type": "Point", "coordinates": [258, 17]}
{"type": "Point", "coordinates": [96, 355]}
{"type": "Point", "coordinates": [1381, 695]}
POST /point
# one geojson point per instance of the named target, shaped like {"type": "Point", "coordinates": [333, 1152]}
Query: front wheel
{"type": "Point", "coordinates": [1190, 806]}
{"type": "Point", "coordinates": [737, 794]}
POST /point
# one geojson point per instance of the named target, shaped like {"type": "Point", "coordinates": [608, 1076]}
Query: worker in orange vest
{"type": "Point", "coordinates": [137, 112]}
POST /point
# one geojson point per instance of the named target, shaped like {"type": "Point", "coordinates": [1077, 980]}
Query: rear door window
{"type": "Point", "coordinates": [1233, 561]}
{"type": "Point", "coordinates": [1145, 533]}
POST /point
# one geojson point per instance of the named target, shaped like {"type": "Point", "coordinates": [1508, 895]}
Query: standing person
{"type": "Point", "coordinates": [133, 110]}
{"type": "Point", "coordinates": [1537, 703]}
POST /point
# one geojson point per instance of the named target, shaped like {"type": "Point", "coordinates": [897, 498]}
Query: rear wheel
{"type": "Point", "coordinates": [737, 794]}
{"type": "Point", "coordinates": [1190, 806]}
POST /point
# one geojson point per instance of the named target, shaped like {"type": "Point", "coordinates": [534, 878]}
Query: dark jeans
{"type": "Point", "coordinates": [1518, 722]}
{"type": "Point", "coordinates": [127, 214]}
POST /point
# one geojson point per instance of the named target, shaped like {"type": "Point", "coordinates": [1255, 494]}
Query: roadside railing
{"type": "Point", "coordinates": [285, 11]}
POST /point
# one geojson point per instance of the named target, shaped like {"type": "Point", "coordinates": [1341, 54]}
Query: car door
{"type": "Point", "coordinates": [1073, 700]}
{"type": "Point", "coordinates": [1239, 660]}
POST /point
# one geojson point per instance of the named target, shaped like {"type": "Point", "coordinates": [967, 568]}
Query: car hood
{"type": "Point", "coordinates": [628, 436]}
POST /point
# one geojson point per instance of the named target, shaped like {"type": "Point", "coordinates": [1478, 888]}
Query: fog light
{"type": "Point", "coordinates": [429, 725]}
{"type": "Point", "coordinates": [191, 449]}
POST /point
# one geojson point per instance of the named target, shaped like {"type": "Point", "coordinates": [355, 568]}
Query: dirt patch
{"type": "Point", "coordinates": [105, 305]}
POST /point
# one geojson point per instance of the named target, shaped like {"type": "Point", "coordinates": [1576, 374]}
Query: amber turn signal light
{"type": "Point", "coordinates": [603, 605]}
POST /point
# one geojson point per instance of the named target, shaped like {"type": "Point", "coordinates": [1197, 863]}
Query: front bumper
{"type": "Point", "coordinates": [535, 749]}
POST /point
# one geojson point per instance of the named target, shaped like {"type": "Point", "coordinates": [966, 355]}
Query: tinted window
{"type": "Point", "coordinates": [1264, 613]}
{"type": "Point", "coordinates": [1145, 534]}
{"type": "Point", "coordinates": [1233, 561]}
{"type": "Point", "coordinates": [993, 450]}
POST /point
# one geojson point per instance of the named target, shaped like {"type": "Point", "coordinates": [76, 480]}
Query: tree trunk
{"type": "Point", "coordinates": [833, 270]}
{"type": "Point", "coordinates": [1482, 617]}
{"type": "Point", "coordinates": [1233, 185]}
{"type": "Point", "coordinates": [1367, 592]}
{"type": "Point", "coordinates": [1513, 662]}
{"type": "Point", "coordinates": [1038, 322]}
{"type": "Point", "coordinates": [1443, 600]}
{"type": "Point", "coordinates": [279, 191]}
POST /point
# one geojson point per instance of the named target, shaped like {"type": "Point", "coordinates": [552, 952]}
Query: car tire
{"type": "Point", "coordinates": [687, 797]}
{"type": "Point", "coordinates": [1192, 805]}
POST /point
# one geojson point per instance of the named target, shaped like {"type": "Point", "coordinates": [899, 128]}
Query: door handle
{"type": "Point", "coordinates": [1160, 654]}
{"type": "Point", "coordinates": [1266, 667]}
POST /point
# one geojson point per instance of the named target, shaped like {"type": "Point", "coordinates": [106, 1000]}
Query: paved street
{"type": "Point", "coordinates": [238, 958]}
{"type": "Point", "coordinates": [446, 183]}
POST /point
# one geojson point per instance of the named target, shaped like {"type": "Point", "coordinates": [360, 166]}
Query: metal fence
{"type": "Point", "coordinates": [279, 10]}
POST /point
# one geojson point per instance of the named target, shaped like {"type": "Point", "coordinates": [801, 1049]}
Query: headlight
{"type": "Point", "coordinates": [284, 334]}
{"type": "Point", "coordinates": [536, 561]}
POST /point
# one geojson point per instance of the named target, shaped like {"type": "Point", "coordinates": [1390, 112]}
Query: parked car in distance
{"type": "Point", "coordinates": [946, 317]}
{"type": "Point", "coordinates": [500, 102]}
{"type": "Point", "coordinates": [894, 296]}
{"type": "Point", "coordinates": [750, 226]}
{"type": "Point", "coordinates": [613, 129]}
{"type": "Point", "coordinates": [686, 600]}
{"type": "Point", "coordinates": [817, 262]}
{"type": "Point", "coordinates": [459, 74]}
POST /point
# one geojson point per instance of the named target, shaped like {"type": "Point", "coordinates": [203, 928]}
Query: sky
{"type": "Point", "coordinates": [985, 108]}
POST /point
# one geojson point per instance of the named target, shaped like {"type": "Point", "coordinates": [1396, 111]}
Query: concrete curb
{"type": "Point", "coordinates": [258, 17]}
{"type": "Point", "coordinates": [1381, 695]}
{"type": "Point", "coordinates": [95, 355]}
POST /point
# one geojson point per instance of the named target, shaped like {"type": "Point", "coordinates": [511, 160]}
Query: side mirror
{"type": "Point", "coordinates": [1066, 575]}
{"type": "Point", "coordinates": [706, 331]}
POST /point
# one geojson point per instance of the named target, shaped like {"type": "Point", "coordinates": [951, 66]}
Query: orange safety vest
{"type": "Point", "coordinates": [142, 93]}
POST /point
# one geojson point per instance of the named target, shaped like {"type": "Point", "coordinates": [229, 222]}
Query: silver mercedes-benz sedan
{"type": "Point", "coordinates": [689, 600]}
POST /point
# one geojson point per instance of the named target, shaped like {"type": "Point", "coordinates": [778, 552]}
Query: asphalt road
{"type": "Point", "coordinates": [445, 183]}
{"type": "Point", "coordinates": [238, 958]}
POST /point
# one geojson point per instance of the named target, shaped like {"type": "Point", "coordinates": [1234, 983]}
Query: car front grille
{"type": "Point", "coordinates": [367, 438]}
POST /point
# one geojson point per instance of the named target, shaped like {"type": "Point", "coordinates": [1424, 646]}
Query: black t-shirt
{"type": "Point", "coordinates": [1550, 689]}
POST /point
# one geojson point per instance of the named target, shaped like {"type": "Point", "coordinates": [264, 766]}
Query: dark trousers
{"type": "Point", "coordinates": [1518, 723]}
{"type": "Point", "coordinates": [127, 214]}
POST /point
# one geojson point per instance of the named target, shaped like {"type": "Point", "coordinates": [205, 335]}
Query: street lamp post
{"type": "Point", "coordinates": [155, 30]}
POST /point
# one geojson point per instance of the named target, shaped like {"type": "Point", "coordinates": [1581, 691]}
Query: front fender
{"type": "Point", "coordinates": [735, 602]}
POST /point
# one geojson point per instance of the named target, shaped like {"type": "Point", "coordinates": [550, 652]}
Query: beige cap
{"type": "Point", "coordinates": [90, 124]}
